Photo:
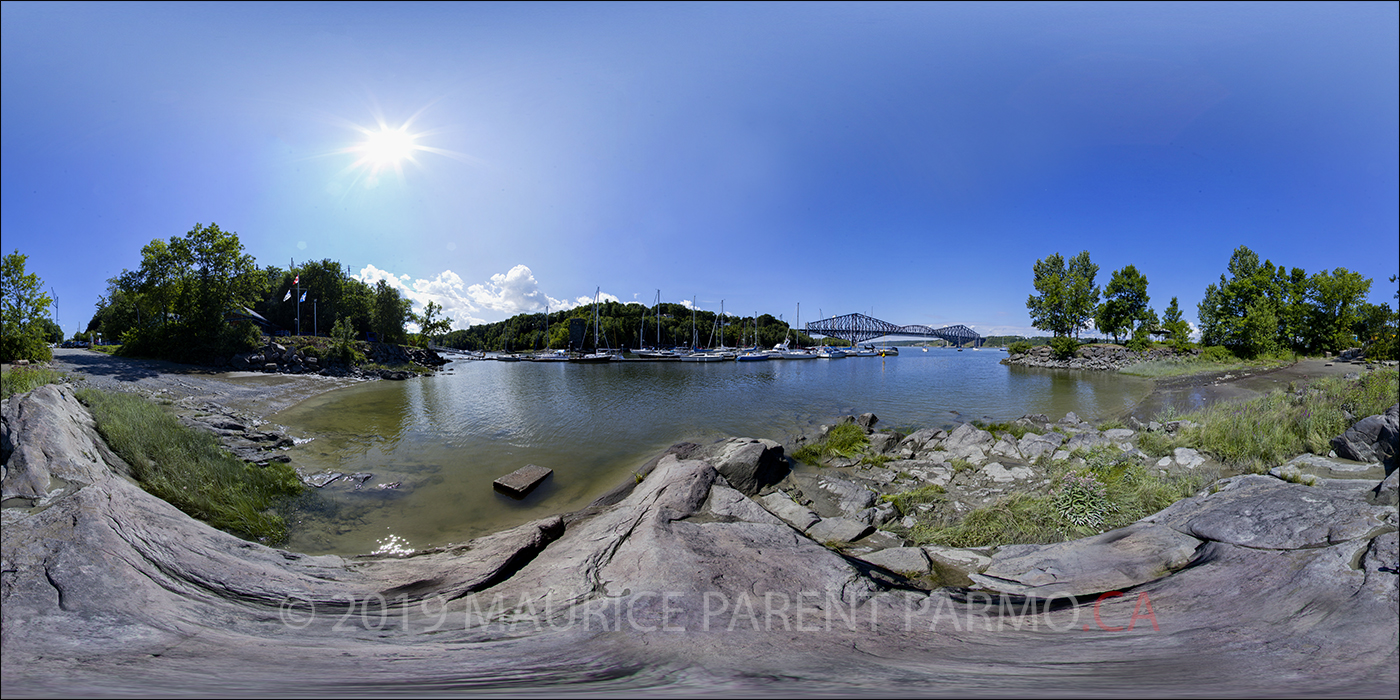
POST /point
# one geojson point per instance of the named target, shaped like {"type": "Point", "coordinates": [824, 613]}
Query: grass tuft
{"type": "Point", "coordinates": [191, 470]}
{"type": "Point", "coordinates": [19, 380]}
{"type": "Point", "coordinates": [844, 440]}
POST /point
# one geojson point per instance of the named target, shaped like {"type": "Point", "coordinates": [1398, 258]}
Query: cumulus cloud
{"type": "Point", "coordinates": [515, 291]}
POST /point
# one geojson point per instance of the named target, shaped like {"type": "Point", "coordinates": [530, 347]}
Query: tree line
{"type": "Point", "coordinates": [622, 325]}
{"type": "Point", "coordinates": [1257, 310]}
{"type": "Point", "coordinates": [190, 297]}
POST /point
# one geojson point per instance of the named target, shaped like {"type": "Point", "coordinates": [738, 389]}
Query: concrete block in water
{"type": "Point", "coordinates": [522, 480]}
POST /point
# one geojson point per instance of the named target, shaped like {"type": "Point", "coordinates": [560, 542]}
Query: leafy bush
{"type": "Point", "coordinates": [1063, 347]}
{"type": "Point", "coordinates": [1019, 347]}
{"type": "Point", "coordinates": [1140, 342]}
{"type": "Point", "coordinates": [1218, 353]}
{"type": "Point", "coordinates": [1082, 502]}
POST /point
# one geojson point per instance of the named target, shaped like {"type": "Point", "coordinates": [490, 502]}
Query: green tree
{"type": "Point", "coordinates": [1125, 301]}
{"type": "Point", "coordinates": [1224, 308]}
{"type": "Point", "coordinates": [23, 308]}
{"type": "Point", "coordinates": [1258, 330]}
{"type": "Point", "coordinates": [1176, 325]}
{"type": "Point", "coordinates": [1049, 307]}
{"type": "Point", "coordinates": [1083, 293]}
{"type": "Point", "coordinates": [429, 324]}
{"type": "Point", "coordinates": [218, 276]}
{"type": "Point", "coordinates": [390, 312]}
{"type": "Point", "coordinates": [1336, 298]}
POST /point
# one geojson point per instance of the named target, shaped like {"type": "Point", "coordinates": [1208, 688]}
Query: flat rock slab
{"type": "Point", "coordinates": [902, 560]}
{"type": "Point", "coordinates": [1112, 561]}
{"type": "Point", "coordinates": [838, 530]}
{"type": "Point", "coordinates": [1262, 512]}
{"type": "Point", "coordinates": [792, 513]}
{"type": "Point", "coordinates": [523, 480]}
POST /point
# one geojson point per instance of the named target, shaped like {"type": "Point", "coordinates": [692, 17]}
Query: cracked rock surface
{"type": "Point", "coordinates": [685, 585]}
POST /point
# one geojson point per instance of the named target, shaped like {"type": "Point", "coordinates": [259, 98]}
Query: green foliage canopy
{"type": "Point", "coordinates": [24, 307]}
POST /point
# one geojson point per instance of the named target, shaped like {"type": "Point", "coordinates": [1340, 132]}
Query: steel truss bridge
{"type": "Point", "coordinates": [859, 328]}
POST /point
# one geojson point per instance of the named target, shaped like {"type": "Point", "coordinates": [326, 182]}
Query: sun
{"type": "Point", "coordinates": [387, 148]}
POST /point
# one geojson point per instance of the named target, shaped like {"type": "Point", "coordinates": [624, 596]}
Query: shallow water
{"type": "Point", "coordinates": [446, 438]}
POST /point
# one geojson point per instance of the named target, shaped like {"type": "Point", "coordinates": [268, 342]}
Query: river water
{"type": "Point", "coordinates": [446, 438]}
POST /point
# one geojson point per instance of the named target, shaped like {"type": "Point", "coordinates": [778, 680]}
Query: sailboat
{"type": "Point", "coordinates": [595, 356]}
{"type": "Point", "coordinates": [655, 353]}
{"type": "Point", "coordinates": [754, 354]}
{"type": "Point", "coordinates": [549, 355]}
{"type": "Point", "coordinates": [799, 354]}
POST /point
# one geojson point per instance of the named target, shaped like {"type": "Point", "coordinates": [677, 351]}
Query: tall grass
{"type": "Point", "coordinates": [191, 470]}
{"type": "Point", "coordinates": [1260, 433]}
{"type": "Point", "coordinates": [1161, 369]}
{"type": "Point", "coordinates": [1109, 492]}
{"type": "Point", "coordinates": [19, 380]}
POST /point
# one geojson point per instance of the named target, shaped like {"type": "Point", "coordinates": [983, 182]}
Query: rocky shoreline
{"type": "Point", "coordinates": [1099, 358]}
{"type": "Point", "coordinates": [717, 568]}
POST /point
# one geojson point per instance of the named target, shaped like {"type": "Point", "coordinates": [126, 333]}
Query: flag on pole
{"type": "Point", "coordinates": [297, 280]}
{"type": "Point", "coordinates": [288, 296]}
{"type": "Point", "coordinates": [303, 297]}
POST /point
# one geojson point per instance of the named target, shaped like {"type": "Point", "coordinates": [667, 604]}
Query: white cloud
{"type": "Point", "coordinates": [505, 294]}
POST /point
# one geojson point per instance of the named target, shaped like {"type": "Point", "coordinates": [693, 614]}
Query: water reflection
{"type": "Point", "coordinates": [445, 438]}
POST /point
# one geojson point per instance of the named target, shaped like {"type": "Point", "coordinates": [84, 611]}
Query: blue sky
{"type": "Point", "coordinates": [909, 160]}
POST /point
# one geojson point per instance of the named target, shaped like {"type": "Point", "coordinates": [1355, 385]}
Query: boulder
{"type": "Point", "coordinates": [517, 483]}
{"type": "Point", "coordinates": [747, 464]}
{"type": "Point", "coordinates": [1112, 561]}
{"type": "Point", "coordinates": [1002, 475]}
{"type": "Point", "coordinates": [965, 560]}
{"type": "Point", "coordinates": [1007, 448]}
{"type": "Point", "coordinates": [1372, 439]}
{"type": "Point", "coordinates": [60, 450]}
{"type": "Point", "coordinates": [867, 421]}
{"type": "Point", "coordinates": [921, 439]}
{"type": "Point", "coordinates": [1032, 446]}
{"type": "Point", "coordinates": [966, 437]}
{"type": "Point", "coordinates": [1188, 457]}
{"type": "Point", "coordinates": [1086, 441]}
{"type": "Point", "coordinates": [880, 443]}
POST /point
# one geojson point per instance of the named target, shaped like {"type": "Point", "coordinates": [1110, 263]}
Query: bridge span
{"type": "Point", "coordinates": [859, 328]}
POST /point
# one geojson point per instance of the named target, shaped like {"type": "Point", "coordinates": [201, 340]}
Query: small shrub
{"type": "Point", "coordinates": [1082, 502]}
{"type": "Point", "coordinates": [1063, 347]}
{"type": "Point", "coordinates": [1019, 347]}
{"type": "Point", "coordinates": [1217, 353]}
{"type": "Point", "coordinates": [1156, 444]}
